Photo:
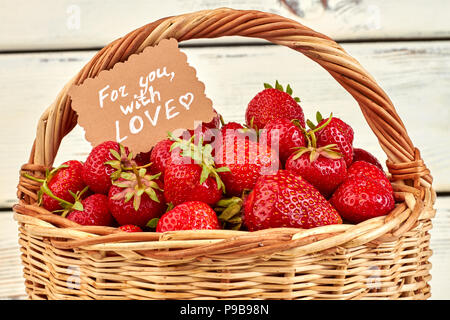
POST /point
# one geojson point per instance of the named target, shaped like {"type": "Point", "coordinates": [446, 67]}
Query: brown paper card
{"type": "Point", "coordinates": [139, 101]}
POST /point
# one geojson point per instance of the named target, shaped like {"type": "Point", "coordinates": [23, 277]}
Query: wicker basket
{"type": "Point", "coordinates": [381, 258]}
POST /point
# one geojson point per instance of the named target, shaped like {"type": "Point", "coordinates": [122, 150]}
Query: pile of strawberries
{"type": "Point", "coordinates": [276, 170]}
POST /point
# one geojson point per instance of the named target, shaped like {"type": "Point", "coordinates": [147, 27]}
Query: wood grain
{"type": "Point", "coordinates": [416, 75]}
{"type": "Point", "coordinates": [12, 287]}
{"type": "Point", "coordinates": [64, 24]}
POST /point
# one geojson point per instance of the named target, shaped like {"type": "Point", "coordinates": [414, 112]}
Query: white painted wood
{"type": "Point", "coordinates": [440, 244]}
{"type": "Point", "coordinates": [11, 279]}
{"type": "Point", "coordinates": [57, 24]}
{"type": "Point", "coordinates": [12, 286]}
{"type": "Point", "coordinates": [416, 75]}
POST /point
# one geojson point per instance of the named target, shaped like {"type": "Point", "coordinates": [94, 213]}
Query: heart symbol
{"type": "Point", "coordinates": [186, 100]}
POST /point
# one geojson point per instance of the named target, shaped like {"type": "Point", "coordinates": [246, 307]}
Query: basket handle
{"type": "Point", "coordinates": [404, 161]}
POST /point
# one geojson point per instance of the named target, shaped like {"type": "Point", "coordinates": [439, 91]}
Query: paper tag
{"type": "Point", "coordinates": [139, 101]}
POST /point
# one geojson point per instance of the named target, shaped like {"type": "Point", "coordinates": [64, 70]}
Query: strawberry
{"type": "Point", "coordinates": [206, 130]}
{"type": "Point", "coordinates": [323, 167]}
{"type": "Point", "coordinates": [142, 159]}
{"type": "Point", "coordinates": [246, 160]}
{"type": "Point", "coordinates": [191, 174]}
{"type": "Point", "coordinates": [130, 228]}
{"type": "Point", "coordinates": [160, 156]}
{"type": "Point", "coordinates": [231, 126]}
{"type": "Point", "coordinates": [288, 135]}
{"type": "Point", "coordinates": [358, 199]}
{"type": "Point", "coordinates": [94, 212]}
{"type": "Point", "coordinates": [324, 173]}
{"type": "Point", "coordinates": [190, 215]}
{"type": "Point", "coordinates": [60, 185]}
{"type": "Point", "coordinates": [273, 103]}
{"type": "Point", "coordinates": [102, 165]}
{"type": "Point", "coordinates": [363, 155]}
{"type": "Point", "coordinates": [215, 121]}
{"type": "Point", "coordinates": [337, 123]}
{"type": "Point", "coordinates": [148, 200]}
{"type": "Point", "coordinates": [287, 200]}
{"type": "Point", "coordinates": [369, 171]}
{"type": "Point", "coordinates": [335, 131]}
{"type": "Point", "coordinates": [233, 129]}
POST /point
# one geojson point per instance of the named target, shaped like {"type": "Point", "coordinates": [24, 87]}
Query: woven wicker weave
{"type": "Point", "coordinates": [384, 257]}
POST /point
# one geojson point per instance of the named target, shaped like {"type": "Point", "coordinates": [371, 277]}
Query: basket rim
{"type": "Point", "coordinates": [187, 244]}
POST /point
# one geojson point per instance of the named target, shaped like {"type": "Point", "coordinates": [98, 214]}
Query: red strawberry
{"type": "Point", "coordinates": [363, 155]}
{"type": "Point", "coordinates": [233, 129]}
{"type": "Point", "coordinates": [358, 199]}
{"type": "Point", "coordinates": [273, 103]}
{"type": "Point", "coordinates": [148, 200]}
{"type": "Point", "coordinates": [191, 215]}
{"type": "Point", "coordinates": [97, 169]}
{"type": "Point", "coordinates": [95, 212]}
{"type": "Point", "coordinates": [246, 160]}
{"type": "Point", "coordinates": [323, 167]}
{"type": "Point", "coordinates": [231, 126]}
{"type": "Point", "coordinates": [62, 183]}
{"type": "Point", "coordinates": [325, 174]}
{"type": "Point", "coordinates": [130, 228]}
{"type": "Point", "coordinates": [183, 182]}
{"type": "Point", "coordinates": [335, 131]}
{"type": "Point", "coordinates": [142, 159]}
{"type": "Point", "coordinates": [191, 174]}
{"type": "Point", "coordinates": [367, 170]}
{"type": "Point", "coordinates": [340, 125]}
{"type": "Point", "coordinates": [205, 131]}
{"type": "Point", "coordinates": [287, 200]}
{"type": "Point", "coordinates": [160, 156]}
{"type": "Point", "coordinates": [289, 134]}
{"type": "Point", "coordinates": [214, 123]}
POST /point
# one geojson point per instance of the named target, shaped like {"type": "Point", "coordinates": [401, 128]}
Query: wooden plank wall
{"type": "Point", "coordinates": [404, 44]}
{"type": "Point", "coordinates": [68, 24]}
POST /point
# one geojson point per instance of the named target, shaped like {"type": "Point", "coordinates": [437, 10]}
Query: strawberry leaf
{"type": "Point", "coordinates": [128, 196]}
{"type": "Point", "coordinates": [115, 154]}
{"type": "Point", "coordinates": [78, 206]}
{"type": "Point", "coordinates": [223, 169]}
{"type": "Point", "coordinates": [136, 202]}
{"type": "Point", "coordinates": [319, 117]}
{"type": "Point", "coordinates": [278, 86]}
{"type": "Point", "coordinates": [310, 124]}
{"type": "Point", "coordinates": [204, 175]}
{"type": "Point", "coordinates": [152, 194]}
{"type": "Point", "coordinates": [114, 163]}
{"type": "Point", "coordinates": [289, 90]}
{"type": "Point", "coordinates": [152, 223]}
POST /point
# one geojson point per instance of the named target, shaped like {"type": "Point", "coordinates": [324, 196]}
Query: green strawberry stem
{"type": "Point", "coordinates": [222, 122]}
{"type": "Point", "coordinates": [329, 151]}
{"type": "Point", "coordinates": [77, 205]}
{"type": "Point", "coordinates": [135, 184]}
{"type": "Point", "coordinates": [46, 190]}
{"type": "Point", "coordinates": [296, 122]}
{"type": "Point", "coordinates": [123, 162]}
{"type": "Point", "coordinates": [138, 177]}
{"type": "Point", "coordinates": [229, 212]}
